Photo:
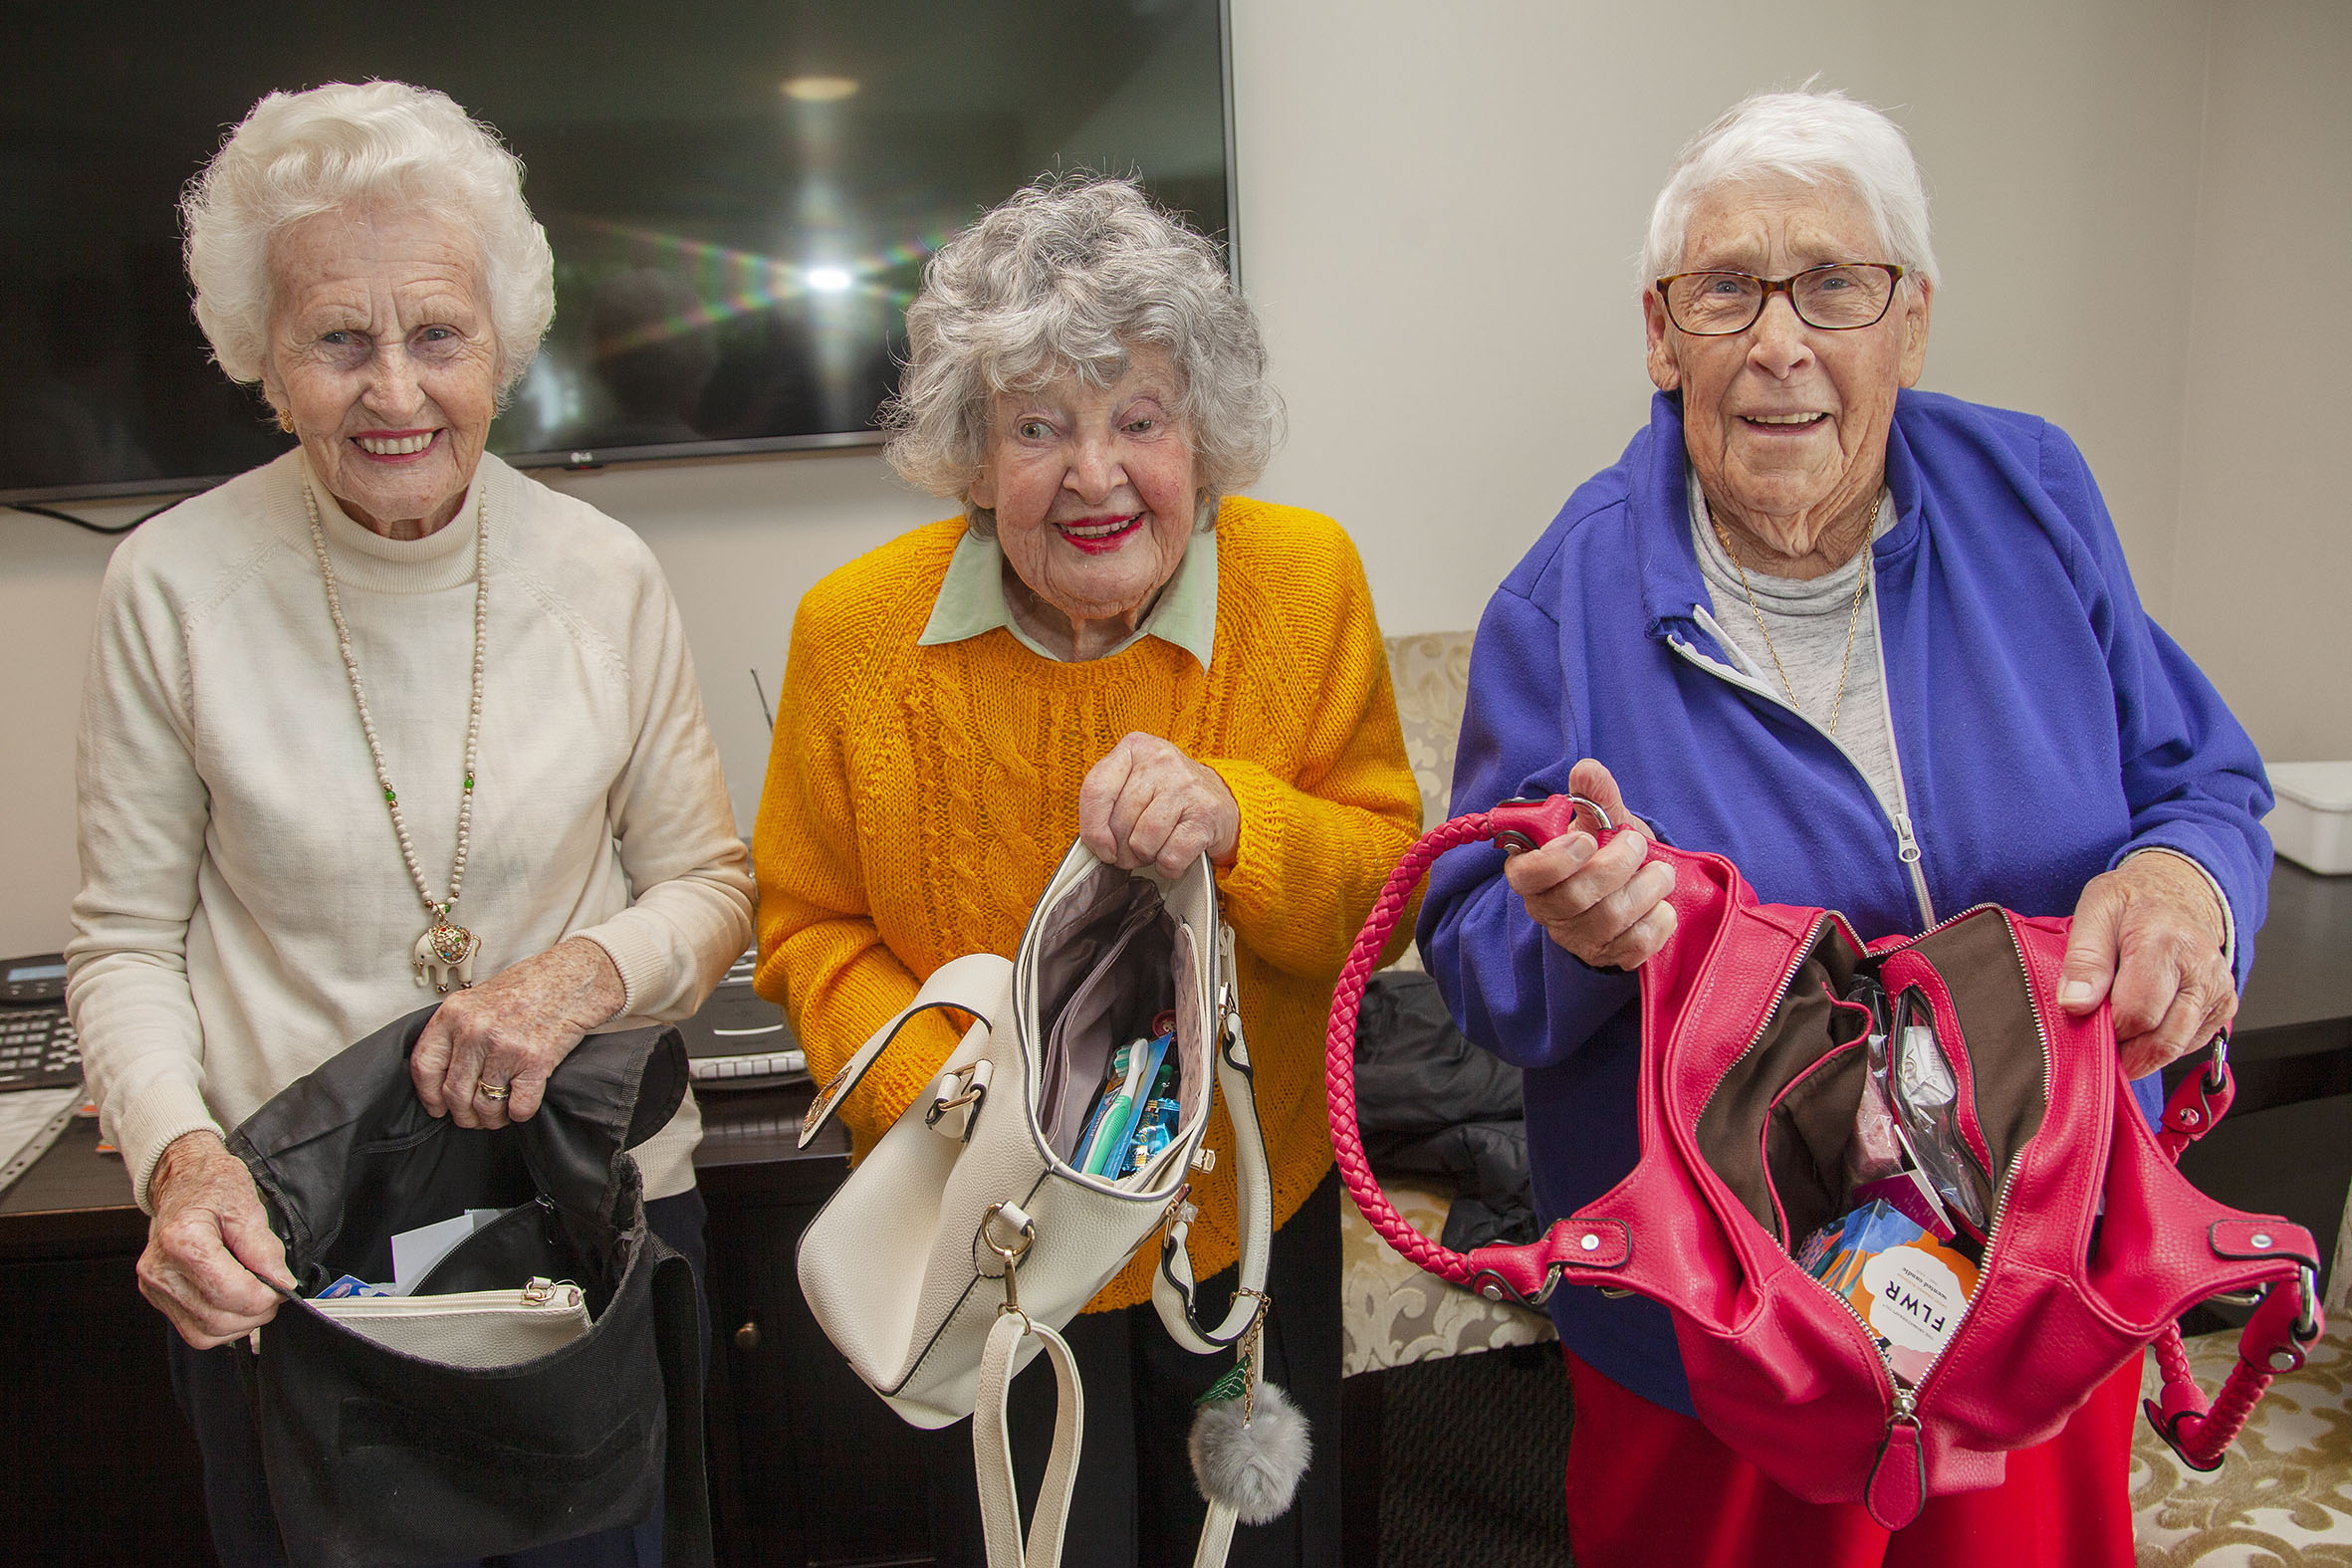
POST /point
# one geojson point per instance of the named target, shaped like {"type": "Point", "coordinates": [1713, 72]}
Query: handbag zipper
{"type": "Point", "coordinates": [1895, 1394]}
{"type": "Point", "coordinates": [2000, 1201]}
{"type": "Point", "coordinates": [558, 1294]}
{"type": "Point", "coordinates": [1903, 1402]}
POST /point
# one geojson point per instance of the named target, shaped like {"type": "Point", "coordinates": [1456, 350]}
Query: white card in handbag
{"type": "Point", "coordinates": [470, 1328]}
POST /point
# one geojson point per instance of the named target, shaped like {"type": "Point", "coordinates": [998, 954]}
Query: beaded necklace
{"type": "Point", "coordinates": [444, 955]}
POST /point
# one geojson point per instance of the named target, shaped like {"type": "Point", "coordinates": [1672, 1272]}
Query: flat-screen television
{"type": "Point", "coordinates": [739, 195]}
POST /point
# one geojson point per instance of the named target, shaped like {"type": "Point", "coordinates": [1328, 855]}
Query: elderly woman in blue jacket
{"type": "Point", "coordinates": [1881, 650]}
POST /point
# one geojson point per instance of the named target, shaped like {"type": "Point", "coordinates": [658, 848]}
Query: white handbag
{"type": "Point", "coordinates": [967, 1236]}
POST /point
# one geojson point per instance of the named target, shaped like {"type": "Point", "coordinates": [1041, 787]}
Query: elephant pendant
{"type": "Point", "coordinates": [444, 956]}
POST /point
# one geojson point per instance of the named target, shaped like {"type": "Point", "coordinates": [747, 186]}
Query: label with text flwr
{"type": "Point", "coordinates": [1913, 1296]}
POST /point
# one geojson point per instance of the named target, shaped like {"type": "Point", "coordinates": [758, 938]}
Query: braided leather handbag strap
{"type": "Point", "coordinates": [2273, 1340]}
{"type": "Point", "coordinates": [1347, 1000]}
{"type": "Point", "coordinates": [1522, 824]}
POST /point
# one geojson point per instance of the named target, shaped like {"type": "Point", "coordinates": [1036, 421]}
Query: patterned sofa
{"type": "Point", "coordinates": [2284, 1498]}
{"type": "Point", "coordinates": [1395, 1313]}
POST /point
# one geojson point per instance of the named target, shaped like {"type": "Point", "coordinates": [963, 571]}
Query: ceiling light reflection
{"type": "Point", "coordinates": [818, 90]}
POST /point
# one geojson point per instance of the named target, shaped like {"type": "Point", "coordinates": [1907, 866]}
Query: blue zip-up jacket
{"type": "Point", "coordinates": [2045, 728]}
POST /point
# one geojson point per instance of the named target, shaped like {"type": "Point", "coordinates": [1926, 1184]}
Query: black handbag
{"type": "Point", "coordinates": [378, 1457]}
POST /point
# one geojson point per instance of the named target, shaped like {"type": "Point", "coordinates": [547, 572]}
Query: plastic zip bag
{"type": "Point", "coordinates": [1916, 1079]}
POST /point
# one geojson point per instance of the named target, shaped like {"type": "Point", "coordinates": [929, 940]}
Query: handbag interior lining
{"type": "Point", "coordinates": [1112, 959]}
{"type": "Point", "coordinates": [1796, 1148]}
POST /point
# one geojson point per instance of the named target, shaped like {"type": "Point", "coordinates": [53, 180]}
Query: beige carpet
{"type": "Point", "coordinates": [2284, 1497]}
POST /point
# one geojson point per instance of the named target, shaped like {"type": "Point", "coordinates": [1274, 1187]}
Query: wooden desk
{"type": "Point", "coordinates": [807, 1465]}
{"type": "Point", "coordinates": [2302, 955]}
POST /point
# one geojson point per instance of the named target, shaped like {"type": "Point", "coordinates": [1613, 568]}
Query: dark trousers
{"type": "Point", "coordinates": [212, 1395]}
{"type": "Point", "coordinates": [1135, 1504]}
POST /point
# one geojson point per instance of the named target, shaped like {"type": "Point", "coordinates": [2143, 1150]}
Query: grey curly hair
{"type": "Point", "coordinates": [357, 144]}
{"type": "Point", "coordinates": [1073, 274]}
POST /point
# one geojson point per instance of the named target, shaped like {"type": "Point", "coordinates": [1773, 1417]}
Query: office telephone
{"type": "Point", "coordinates": [37, 1046]}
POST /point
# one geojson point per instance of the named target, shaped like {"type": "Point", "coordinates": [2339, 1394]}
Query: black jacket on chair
{"type": "Point", "coordinates": [376, 1458]}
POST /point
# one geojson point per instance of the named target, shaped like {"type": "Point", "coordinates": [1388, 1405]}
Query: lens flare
{"type": "Point", "coordinates": [735, 282]}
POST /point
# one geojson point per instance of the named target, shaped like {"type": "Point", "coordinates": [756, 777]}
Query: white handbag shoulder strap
{"type": "Point", "coordinates": [979, 983]}
{"type": "Point", "coordinates": [992, 1453]}
{"type": "Point", "coordinates": [1173, 1287]}
{"type": "Point", "coordinates": [1172, 1294]}
{"type": "Point", "coordinates": [991, 1449]}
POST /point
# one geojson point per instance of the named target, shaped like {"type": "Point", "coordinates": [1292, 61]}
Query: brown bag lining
{"type": "Point", "coordinates": [1804, 1140]}
{"type": "Point", "coordinates": [1804, 1028]}
{"type": "Point", "coordinates": [1800, 1152]}
{"type": "Point", "coordinates": [2009, 1067]}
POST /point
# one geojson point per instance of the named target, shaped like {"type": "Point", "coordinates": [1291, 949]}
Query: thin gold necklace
{"type": "Point", "coordinates": [444, 955]}
{"type": "Point", "coordinates": [1853, 616]}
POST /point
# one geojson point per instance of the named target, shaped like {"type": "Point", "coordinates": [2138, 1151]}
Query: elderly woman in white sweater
{"type": "Point", "coordinates": [381, 714]}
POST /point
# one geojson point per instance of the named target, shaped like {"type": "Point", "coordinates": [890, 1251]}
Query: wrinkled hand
{"type": "Point", "coordinates": [2148, 935]}
{"type": "Point", "coordinates": [209, 1248]}
{"type": "Point", "coordinates": [513, 1029]}
{"type": "Point", "coordinates": [1604, 904]}
{"type": "Point", "coordinates": [1147, 804]}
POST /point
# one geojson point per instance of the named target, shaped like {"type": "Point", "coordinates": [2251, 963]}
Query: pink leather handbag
{"type": "Point", "coordinates": [1751, 1070]}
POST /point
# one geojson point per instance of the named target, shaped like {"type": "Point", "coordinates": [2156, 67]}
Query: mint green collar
{"type": "Point", "coordinates": [972, 601]}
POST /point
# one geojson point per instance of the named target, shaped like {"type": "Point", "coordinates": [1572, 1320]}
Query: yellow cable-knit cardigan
{"type": "Point", "coordinates": [918, 798]}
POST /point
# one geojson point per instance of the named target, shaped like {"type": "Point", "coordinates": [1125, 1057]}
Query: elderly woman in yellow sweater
{"type": "Point", "coordinates": [1108, 644]}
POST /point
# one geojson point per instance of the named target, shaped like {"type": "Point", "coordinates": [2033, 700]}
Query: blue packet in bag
{"type": "Point", "coordinates": [1155, 1124]}
{"type": "Point", "coordinates": [1108, 1155]}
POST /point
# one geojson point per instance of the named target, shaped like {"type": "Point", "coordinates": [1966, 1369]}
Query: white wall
{"type": "Point", "coordinates": [49, 576]}
{"type": "Point", "coordinates": [2263, 562]}
{"type": "Point", "coordinates": [1441, 207]}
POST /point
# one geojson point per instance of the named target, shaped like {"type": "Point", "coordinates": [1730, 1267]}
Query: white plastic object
{"type": "Point", "coordinates": [2313, 822]}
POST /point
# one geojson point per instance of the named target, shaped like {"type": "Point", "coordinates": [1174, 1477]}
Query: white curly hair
{"type": "Point", "coordinates": [356, 146]}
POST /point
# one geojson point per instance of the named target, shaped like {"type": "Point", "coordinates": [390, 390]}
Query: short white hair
{"type": "Point", "coordinates": [1816, 137]}
{"type": "Point", "coordinates": [1075, 273]}
{"type": "Point", "coordinates": [346, 146]}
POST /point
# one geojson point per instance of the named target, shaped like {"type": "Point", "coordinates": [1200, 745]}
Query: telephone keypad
{"type": "Point", "coordinates": [38, 1049]}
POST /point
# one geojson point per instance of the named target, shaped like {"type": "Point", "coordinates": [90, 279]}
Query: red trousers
{"type": "Point", "coordinates": [1651, 1489]}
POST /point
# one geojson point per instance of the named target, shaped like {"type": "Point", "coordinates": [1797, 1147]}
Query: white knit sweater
{"type": "Point", "coordinates": [245, 912]}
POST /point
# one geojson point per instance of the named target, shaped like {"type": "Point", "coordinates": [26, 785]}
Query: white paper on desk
{"type": "Point", "coordinates": [30, 1120]}
{"type": "Point", "coordinates": [415, 1253]}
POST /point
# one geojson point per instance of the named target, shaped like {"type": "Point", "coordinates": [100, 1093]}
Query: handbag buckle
{"type": "Point", "coordinates": [954, 1109]}
{"type": "Point", "coordinates": [1528, 822]}
{"type": "Point", "coordinates": [1025, 1236]}
{"type": "Point", "coordinates": [1178, 1209]}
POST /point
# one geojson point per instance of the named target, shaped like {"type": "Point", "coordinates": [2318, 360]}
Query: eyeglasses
{"type": "Point", "coordinates": [1837, 298]}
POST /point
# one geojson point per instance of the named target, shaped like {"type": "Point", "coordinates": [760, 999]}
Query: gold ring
{"type": "Point", "coordinates": [491, 1091]}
